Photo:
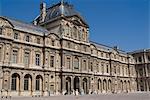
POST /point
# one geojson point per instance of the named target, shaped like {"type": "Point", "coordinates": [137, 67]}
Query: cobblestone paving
{"type": "Point", "coordinates": [130, 96]}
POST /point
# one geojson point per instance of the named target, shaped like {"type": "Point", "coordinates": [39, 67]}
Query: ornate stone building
{"type": "Point", "coordinates": [54, 56]}
{"type": "Point", "coordinates": [142, 66]}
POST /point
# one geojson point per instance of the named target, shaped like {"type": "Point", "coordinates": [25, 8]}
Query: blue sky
{"type": "Point", "coordinates": [112, 22]}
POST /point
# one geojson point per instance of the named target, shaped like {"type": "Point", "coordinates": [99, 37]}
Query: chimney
{"type": "Point", "coordinates": [42, 11]}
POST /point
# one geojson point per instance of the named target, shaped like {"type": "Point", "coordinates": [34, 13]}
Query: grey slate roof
{"type": "Point", "coordinates": [27, 27]}
{"type": "Point", "coordinates": [59, 9]}
{"type": "Point", "coordinates": [105, 47]}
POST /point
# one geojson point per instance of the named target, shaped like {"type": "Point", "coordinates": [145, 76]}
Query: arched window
{"type": "Point", "coordinates": [121, 85]}
{"type": "Point", "coordinates": [104, 85]}
{"type": "Point", "coordinates": [68, 85]}
{"type": "Point", "coordinates": [76, 63]}
{"type": "Point", "coordinates": [38, 83]}
{"type": "Point", "coordinates": [99, 85]}
{"type": "Point", "coordinates": [27, 82]}
{"type": "Point", "coordinates": [129, 88]}
{"type": "Point", "coordinates": [109, 84]}
{"type": "Point", "coordinates": [15, 82]}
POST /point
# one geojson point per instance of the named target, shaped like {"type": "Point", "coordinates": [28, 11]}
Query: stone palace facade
{"type": "Point", "coordinates": [54, 56]}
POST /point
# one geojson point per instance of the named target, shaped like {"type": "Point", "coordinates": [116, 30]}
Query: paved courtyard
{"type": "Point", "coordinates": [130, 96]}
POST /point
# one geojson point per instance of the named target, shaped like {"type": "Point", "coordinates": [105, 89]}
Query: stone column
{"type": "Point", "coordinates": [6, 83]}
{"type": "Point", "coordinates": [64, 85]}
{"type": "Point", "coordinates": [33, 85]}
{"type": "Point", "coordinates": [21, 84]}
{"type": "Point", "coordinates": [1, 80]}
{"type": "Point", "coordinates": [46, 84]}
{"type": "Point", "coordinates": [72, 85]}
{"type": "Point", "coordinates": [80, 85]}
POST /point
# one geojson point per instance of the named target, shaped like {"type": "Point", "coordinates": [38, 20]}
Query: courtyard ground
{"type": "Point", "coordinates": [129, 96]}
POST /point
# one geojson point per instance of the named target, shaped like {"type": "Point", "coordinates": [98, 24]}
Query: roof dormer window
{"type": "Point", "coordinates": [15, 35]}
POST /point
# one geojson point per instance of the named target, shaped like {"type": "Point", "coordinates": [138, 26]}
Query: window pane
{"type": "Point", "coordinates": [14, 56]}
{"type": "Point", "coordinates": [13, 83]}
{"type": "Point", "coordinates": [38, 84]}
{"type": "Point", "coordinates": [0, 53]}
{"type": "Point", "coordinates": [27, 38]}
{"type": "Point", "coordinates": [0, 30]}
{"type": "Point", "coordinates": [26, 59]}
{"type": "Point", "coordinates": [37, 60]}
{"type": "Point", "coordinates": [15, 35]}
{"type": "Point", "coordinates": [26, 83]}
{"type": "Point", "coordinates": [52, 61]}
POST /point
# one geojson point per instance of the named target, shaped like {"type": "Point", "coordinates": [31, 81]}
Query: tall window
{"type": "Point", "coordinates": [14, 56]}
{"type": "Point", "coordinates": [75, 32]}
{"type": "Point", "coordinates": [91, 66]}
{"type": "Point", "coordinates": [13, 82]}
{"type": "Point", "coordinates": [52, 61]}
{"type": "Point", "coordinates": [67, 30]}
{"type": "Point", "coordinates": [76, 63]}
{"type": "Point", "coordinates": [68, 44]}
{"type": "Point", "coordinates": [84, 64]}
{"type": "Point", "coordinates": [27, 38]}
{"type": "Point", "coordinates": [0, 53]}
{"type": "Point", "coordinates": [97, 67]}
{"type": "Point", "coordinates": [15, 35]}
{"type": "Point", "coordinates": [0, 30]}
{"type": "Point", "coordinates": [53, 43]}
{"type": "Point", "coordinates": [38, 41]}
{"type": "Point", "coordinates": [38, 81]}
{"type": "Point", "coordinates": [140, 59]}
{"type": "Point", "coordinates": [37, 60]}
{"type": "Point", "coordinates": [107, 70]}
{"type": "Point", "coordinates": [115, 69]}
{"type": "Point", "coordinates": [26, 58]}
{"type": "Point", "coordinates": [68, 63]}
{"type": "Point", "coordinates": [84, 48]}
{"type": "Point", "coordinates": [26, 83]}
{"type": "Point", "coordinates": [148, 57]}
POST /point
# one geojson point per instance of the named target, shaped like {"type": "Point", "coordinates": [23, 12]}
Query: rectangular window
{"type": "Point", "coordinates": [84, 65]}
{"type": "Point", "coordinates": [140, 59]}
{"type": "Point", "coordinates": [15, 35]}
{"type": "Point", "coordinates": [13, 83]}
{"type": "Point", "coordinates": [37, 84]}
{"type": "Point", "coordinates": [53, 43]}
{"type": "Point", "coordinates": [37, 60]}
{"type": "Point", "coordinates": [91, 66]}
{"type": "Point", "coordinates": [115, 69]}
{"type": "Point", "coordinates": [0, 53]}
{"type": "Point", "coordinates": [0, 30]}
{"type": "Point", "coordinates": [14, 56]}
{"type": "Point", "coordinates": [27, 38]}
{"type": "Point", "coordinates": [38, 40]}
{"type": "Point", "coordinates": [68, 63]}
{"type": "Point", "coordinates": [52, 61]}
{"type": "Point", "coordinates": [26, 84]}
{"type": "Point", "coordinates": [26, 58]}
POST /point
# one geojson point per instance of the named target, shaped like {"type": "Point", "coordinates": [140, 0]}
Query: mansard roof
{"type": "Point", "coordinates": [26, 27]}
{"type": "Point", "coordinates": [107, 48]}
{"type": "Point", "coordinates": [60, 9]}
